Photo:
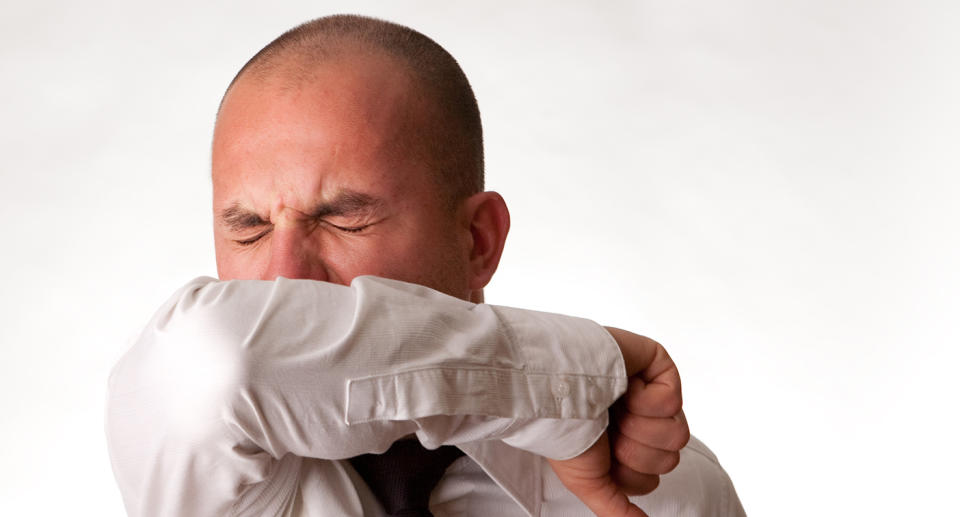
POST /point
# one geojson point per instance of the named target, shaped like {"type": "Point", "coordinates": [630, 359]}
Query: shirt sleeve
{"type": "Point", "coordinates": [229, 377]}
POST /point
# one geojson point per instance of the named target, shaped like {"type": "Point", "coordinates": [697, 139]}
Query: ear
{"type": "Point", "coordinates": [489, 221]}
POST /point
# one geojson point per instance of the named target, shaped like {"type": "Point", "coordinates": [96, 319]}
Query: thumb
{"type": "Point", "coordinates": [587, 476]}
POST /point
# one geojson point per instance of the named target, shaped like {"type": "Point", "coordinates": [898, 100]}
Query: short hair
{"type": "Point", "coordinates": [454, 144]}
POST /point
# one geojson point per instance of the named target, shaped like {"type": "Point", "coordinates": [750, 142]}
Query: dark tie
{"type": "Point", "coordinates": [403, 477]}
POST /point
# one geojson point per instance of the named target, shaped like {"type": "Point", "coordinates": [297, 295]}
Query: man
{"type": "Point", "coordinates": [351, 147]}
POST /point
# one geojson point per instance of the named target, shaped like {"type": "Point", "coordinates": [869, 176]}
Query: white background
{"type": "Point", "coordinates": [768, 188]}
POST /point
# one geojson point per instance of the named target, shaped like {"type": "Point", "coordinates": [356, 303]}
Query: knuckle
{"type": "Point", "coordinates": [651, 341]}
{"type": "Point", "coordinates": [680, 438]}
{"type": "Point", "coordinates": [672, 405]}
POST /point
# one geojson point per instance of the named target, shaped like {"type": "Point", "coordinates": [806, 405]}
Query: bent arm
{"type": "Point", "coordinates": [230, 376]}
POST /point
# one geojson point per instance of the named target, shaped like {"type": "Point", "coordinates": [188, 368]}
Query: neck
{"type": "Point", "coordinates": [476, 296]}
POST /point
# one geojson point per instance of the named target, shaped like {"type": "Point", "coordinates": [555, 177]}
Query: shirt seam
{"type": "Point", "coordinates": [524, 371]}
{"type": "Point", "coordinates": [511, 338]}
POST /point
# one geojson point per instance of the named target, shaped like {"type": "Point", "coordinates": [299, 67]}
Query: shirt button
{"type": "Point", "coordinates": [561, 389]}
{"type": "Point", "coordinates": [593, 395]}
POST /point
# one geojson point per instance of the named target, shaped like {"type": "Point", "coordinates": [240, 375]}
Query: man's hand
{"type": "Point", "coordinates": [650, 425]}
{"type": "Point", "coordinates": [644, 445]}
{"type": "Point", "coordinates": [650, 430]}
{"type": "Point", "coordinates": [588, 477]}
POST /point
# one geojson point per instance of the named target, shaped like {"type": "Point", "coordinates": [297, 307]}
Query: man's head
{"type": "Point", "coordinates": [353, 146]}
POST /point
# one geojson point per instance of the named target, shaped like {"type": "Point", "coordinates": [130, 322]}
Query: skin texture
{"type": "Point", "coordinates": [319, 176]}
{"type": "Point", "coordinates": [282, 149]}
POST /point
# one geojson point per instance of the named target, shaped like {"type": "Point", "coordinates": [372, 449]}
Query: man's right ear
{"type": "Point", "coordinates": [489, 221]}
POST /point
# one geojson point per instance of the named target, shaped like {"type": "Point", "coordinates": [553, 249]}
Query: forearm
{"type": "Point", "coordinates": [226, 369]}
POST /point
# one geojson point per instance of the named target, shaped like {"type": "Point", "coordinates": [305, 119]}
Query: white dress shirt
{"type": "Point", "coordinates": [239, 397]}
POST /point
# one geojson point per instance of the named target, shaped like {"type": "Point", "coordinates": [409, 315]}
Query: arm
{"type": "Point", "coordinates": [230, 376]}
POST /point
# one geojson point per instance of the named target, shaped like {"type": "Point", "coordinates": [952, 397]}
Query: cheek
{"type": "Point", "coordinates": [432, 259]}
{"type": "Point", "coordinates": [385, 256]}
{"type": "Point", "coordinates": [233, 264]}
{"type": "Point", "coordinates": [225, 260]}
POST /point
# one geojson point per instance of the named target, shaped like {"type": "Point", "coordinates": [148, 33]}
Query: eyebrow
{"type": "Point", "coordinates": [345, 203]}
{"type": "Point", "coordinates": [239, 218]}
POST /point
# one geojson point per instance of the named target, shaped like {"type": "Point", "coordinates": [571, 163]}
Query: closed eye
{"type": "Point", "coordinates": [346, 229]}
{"type": "Point", "coordinates": [251, 240]}
{"type": "Point", "coordinates": [350, 229]}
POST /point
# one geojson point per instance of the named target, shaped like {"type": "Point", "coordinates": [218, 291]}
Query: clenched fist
{"type": "Point", "coordinates": [647, 431]}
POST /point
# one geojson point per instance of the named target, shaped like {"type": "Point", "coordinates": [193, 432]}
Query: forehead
{"type": "Point", "coordinates": [302, 134]}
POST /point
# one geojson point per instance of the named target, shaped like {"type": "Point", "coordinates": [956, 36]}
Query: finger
{"type": "Point", "coordinates": [641, 355]}
{"type": "Point", "coordinates": [661, 397]}
{"type": "Point", "coordinates": [610, 501]}
{"type": "Point", "coordinates": [638, 351]}
{"type": "Point", "coordinates": [588, 477]}
{"type": "Point", "coordinates": [632, 482]}
{"type": "Point", "coordinates": [669, 434]}
{"type": "Point", "coordinates": [643, 458]}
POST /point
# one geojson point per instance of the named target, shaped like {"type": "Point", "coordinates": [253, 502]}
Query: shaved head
{"type": "Point", "coordinates": [449, 136]}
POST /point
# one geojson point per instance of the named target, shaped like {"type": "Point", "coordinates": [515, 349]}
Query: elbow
{"type": "Point", "coordinates": [171, 402]}
{"type": "Point", "coordinates": [179, 378]}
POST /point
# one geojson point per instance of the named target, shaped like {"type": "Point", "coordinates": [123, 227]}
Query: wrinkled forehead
{"type": "Point", "coordinates": [355, 120]}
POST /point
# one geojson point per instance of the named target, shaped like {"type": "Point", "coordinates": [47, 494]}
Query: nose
{"type": "Point", "coordinates": [293, 255]}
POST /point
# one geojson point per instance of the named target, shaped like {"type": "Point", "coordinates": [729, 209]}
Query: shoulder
{"type": "Point", "coordinates": [699, 486]}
